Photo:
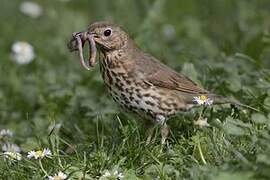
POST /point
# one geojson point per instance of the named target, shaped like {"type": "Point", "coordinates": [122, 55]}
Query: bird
{"type": "Point", "coordinates": [140, 83]}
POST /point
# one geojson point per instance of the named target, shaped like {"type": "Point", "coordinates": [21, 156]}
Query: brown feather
{"type": "Point", "coordinates": [156, 73]}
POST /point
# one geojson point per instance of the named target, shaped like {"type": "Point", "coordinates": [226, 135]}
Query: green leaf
{"type": "Point", "coordinates": [234, 176]}
{"type": "Point", "coordinates": [258, 118]}
{"type": "Point", "coordinates": [130, 175]}
{"type": "Point", "coordinates": [231, 128]}
{"type": "Point", "coordinates": [267, 101]}
{"type": "Point", "coordinates": [263, 158]}
{"type": "Point", "coordinates": [268, 121]}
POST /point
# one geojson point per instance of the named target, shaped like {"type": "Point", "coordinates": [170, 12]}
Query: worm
{"type": "Point", "coordinates": [80, 38]}
{"type": "Point", "coordinates": [92, 51]}
{"type": "Point", "coordinates": [79, 42]}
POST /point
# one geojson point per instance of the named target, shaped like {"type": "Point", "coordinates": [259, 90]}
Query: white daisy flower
{"type": "Point", "coordinates": [13, 156]}
{"type": "Point", "coordinates": [203, 100]}
{"type": "Point", "coordinates": [31, 154]}
{"type": "Point", "coordinates": [114, 175]}
{"type": "Point", "coordinates": [47, 152]}
{"type": "Point", "coordinates": [202, 122]}
{"type": "Point", "coordinates": [169, 31]}
{"type": "Point", "coordinates": [39, 154]}
{"type": "Point", "coordinates": [59, 176]}
{"type": "Point", "coordinates": [106, 174]}
{"type": "Point", "coordinates": [209, 102]}
{"type": "Point", "coordinates": [118, 175]}
{"type": "Point", "coordinates": [6, 132]}
{"type": "Point", "coordinates": [11, 147]}
{"type": "Point", "coordinates": [23, 52]}
{"type": "Point", "coordinates": [31, 9]}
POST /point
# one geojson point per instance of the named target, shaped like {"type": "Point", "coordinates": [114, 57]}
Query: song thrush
{"type": "Point", "coordinates": [137, 81]}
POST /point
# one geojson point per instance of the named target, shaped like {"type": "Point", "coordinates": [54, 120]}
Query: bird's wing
{"type": "Point", "coordinates": [158, 74]}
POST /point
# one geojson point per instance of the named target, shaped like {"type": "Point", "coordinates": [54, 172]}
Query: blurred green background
{"type": "Point", "coordinates": [223, 45]}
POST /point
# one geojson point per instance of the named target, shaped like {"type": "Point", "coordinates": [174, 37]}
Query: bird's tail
{"type": "Point", "coordinates": [224, 100]}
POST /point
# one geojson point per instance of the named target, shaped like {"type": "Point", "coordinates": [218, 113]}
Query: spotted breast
{"type": "Point", "coordinates": [132, 92]}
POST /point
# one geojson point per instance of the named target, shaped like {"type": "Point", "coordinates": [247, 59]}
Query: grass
{"type": "Point", "coordinates": [52, 102]}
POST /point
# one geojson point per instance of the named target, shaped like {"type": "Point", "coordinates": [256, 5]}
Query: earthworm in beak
{"type": "Point", "coordinates": [92, 50]}
{"type": "Point", "coordinates": [76, 44]}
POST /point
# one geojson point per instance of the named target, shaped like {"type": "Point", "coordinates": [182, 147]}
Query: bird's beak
{"type": "Point", "coordinates": [73, 43]}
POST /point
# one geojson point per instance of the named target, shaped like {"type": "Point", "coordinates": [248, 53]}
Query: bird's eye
{"type": "Point", "coordinates": [107, 32]}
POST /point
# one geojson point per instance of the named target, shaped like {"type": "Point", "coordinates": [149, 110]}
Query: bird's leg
{"type": "Point", "coordinates": [164, 128]}
{"type": "Point", "coordinates": [164, 133]}
{"type": "Point", "coordinates": [150, 133]}
{"type": "Point", "coordinates": [150, 127]}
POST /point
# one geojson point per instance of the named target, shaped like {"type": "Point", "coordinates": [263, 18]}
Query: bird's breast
{"type": "Point", "coordinates": [133, 93]}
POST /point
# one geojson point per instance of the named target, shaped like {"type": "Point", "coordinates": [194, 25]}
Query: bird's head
{"type": "Point", "coordinates": [108, 36]}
